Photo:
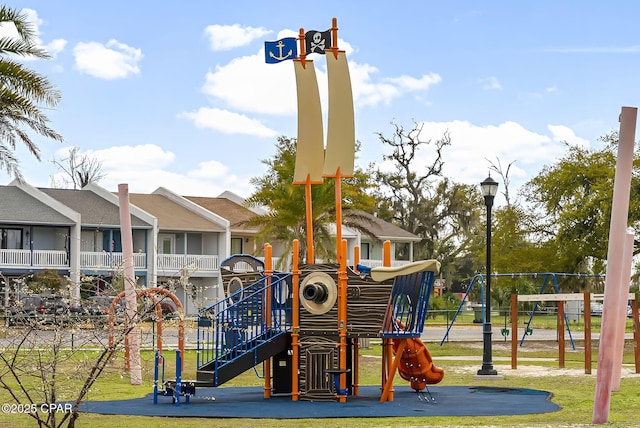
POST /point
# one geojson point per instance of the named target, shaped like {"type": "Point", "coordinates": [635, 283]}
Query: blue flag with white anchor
{"type": "Point", "coordinates": [280, 50]}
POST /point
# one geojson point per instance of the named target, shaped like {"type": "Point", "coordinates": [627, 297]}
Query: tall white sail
{"type": "Point", "coordinates": [310, 147]}
{"type": "Point", "coordinates": [341, 141]}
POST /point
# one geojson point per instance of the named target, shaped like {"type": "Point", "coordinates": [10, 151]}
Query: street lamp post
{"type": "Point", "coordinates": [489, 189]}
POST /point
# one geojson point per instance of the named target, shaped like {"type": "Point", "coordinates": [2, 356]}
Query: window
{"type": "Point", "coordinates": [402, 251]}
{"type": "Point", "coordinates": [166, 244]}
{"type": "Point", "coordinates": [11, 239]}
{"type": "Point", "coordinates": [364, 251]}
{"type": "Point", "coordinates": [236, 246]}
{"type": "Point", "coordinates": [194, 243]}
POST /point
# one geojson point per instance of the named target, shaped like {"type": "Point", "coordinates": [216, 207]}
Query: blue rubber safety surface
{"type": "Point", "coordinates": [248, 402]}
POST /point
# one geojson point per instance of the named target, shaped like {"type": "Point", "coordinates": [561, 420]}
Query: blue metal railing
{"type": "Point", "coordinates": [408, 305]}
{"type": "Point", "coordinates": [242, 321]}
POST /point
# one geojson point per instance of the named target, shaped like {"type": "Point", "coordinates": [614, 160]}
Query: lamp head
{"type": "Point", "coordinates": [489, 187]}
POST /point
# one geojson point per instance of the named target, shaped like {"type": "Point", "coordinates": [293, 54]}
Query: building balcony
{"type": "Point", "coordinates": [192, 264]}
{"type": "Point", "coordinates": [102, 260]}
{"type": "Point", "coordinates": [45, 259]}
{"type": "Point", "coordinates": [377, 263]}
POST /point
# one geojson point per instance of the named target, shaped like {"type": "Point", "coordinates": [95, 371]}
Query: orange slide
{"type": "Point", "coordinates": [416, 365]}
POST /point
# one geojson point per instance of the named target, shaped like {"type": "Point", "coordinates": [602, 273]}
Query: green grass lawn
{"type": "Point", "coordinates": [574, 394]}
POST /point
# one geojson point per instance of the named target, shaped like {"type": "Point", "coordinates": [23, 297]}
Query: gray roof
{"type": "Point", "coordinates": [94, 209]}
{"type": "Point", "coordinates": [171, 215]}
{"type": "Point", "coordinates": [385, 230]}
{"type": "Point", "coordinates": [228, 209]}
{"type": "Point", "coordinates": [18, 207]}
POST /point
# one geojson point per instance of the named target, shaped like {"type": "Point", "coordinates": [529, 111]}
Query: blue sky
{"type": "Point", "coordinates": [180, 96]}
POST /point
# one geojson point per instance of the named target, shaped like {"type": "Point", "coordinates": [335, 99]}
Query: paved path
{"type": "Point", "coordinates": [431, 334]}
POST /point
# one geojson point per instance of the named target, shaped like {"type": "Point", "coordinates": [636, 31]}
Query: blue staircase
{"type": "Point", "coordinates": [244, 329]}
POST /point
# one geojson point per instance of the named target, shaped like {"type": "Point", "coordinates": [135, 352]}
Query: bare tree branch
{"type": "Point", "coordinates": [79, 169]}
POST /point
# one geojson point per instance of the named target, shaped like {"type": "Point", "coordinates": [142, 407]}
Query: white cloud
{"type": "Point", "coordinates": [113, 60]}
{"type": "Point", "coordinates": [473, 147]}
{"type": "Point", "coordinates": [210, 169]}
{"type": "Point", "coordinates": [412, 84]}
{"type": "Point", "coordinates": [490, 83]}
{"type": "Point", "coordinates": [32, 16]}
{"type": "Point", "coordinates": [127, 158]}
{"type": "Point", "coordinates": [148, 180]}
{"type": "Point", "coordinates": [55, 46]}
{"type": "Point", "coordinates": [147, 167]}
{"type": "Point", "coordinates": [564, 134]}
{"type": "Point", "coordinates": [8, 29]}
{"type": "Point", "coordinates": [227, 122]}
{"type": "Point", "coordinates": [226, 37]}
{"type": "Point", "coordinates": [248, 85]}
{"type": "Point", "coordinates": [369, 92]}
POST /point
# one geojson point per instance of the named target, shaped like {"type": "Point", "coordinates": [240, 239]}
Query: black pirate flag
{"type": "Point", "coordinates": [317, 41]}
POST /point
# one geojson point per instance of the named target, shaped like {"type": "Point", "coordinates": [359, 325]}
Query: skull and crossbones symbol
{"type": "Point", "coordinates": [317, 42]}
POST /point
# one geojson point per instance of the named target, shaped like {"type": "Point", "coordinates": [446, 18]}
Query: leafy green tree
{"type": "Point", "coordinates": [286, 216]}
{"type": "Point", "coordinates": [21, 93]}
{"type": "Point", "coordinates": [574, 198]}
{"type": "Point", "coordinates": [514, 248]}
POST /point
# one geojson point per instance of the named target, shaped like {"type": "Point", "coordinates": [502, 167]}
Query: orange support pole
{"type": "Point", "coordinates": [342, 317]}
{"type": "Point", "coordinates": [387, 344]}
{"type": "Point", "coordinates": [387, 394]}
{"type": "Point", "coordinates": [356, 258]}
{"type": "Point", "coordinates": [386, 253]}
{"type": "Point", "coordinates": [302, 48]}
{"type": "Point", "coordinates": [356, 344]}
{"type": "Point", "coordinates": [383, 371]}
{"type": "Point", "coordinates": [356, 365]}
{"type": "Point", "coordinates": [390, 371]}
{"type": "Point", "coordinates": [309, 220]}
{"type": "Point", "coordinates": [295, 324]}
{"type": "Point", "coordinates": [338, 190]}
{"type": "Point", "coordinates": [268, 270]}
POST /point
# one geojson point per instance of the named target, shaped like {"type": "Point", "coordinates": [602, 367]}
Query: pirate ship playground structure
{"type": "Point", "coordinates": [305, 326]}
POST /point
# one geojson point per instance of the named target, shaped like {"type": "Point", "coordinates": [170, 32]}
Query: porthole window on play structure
{"type": "Point", "coordinates": [234, 289]}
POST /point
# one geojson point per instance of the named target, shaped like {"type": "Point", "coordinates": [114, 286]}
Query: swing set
{"type": "Point", "coordinates": [546, 277]}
